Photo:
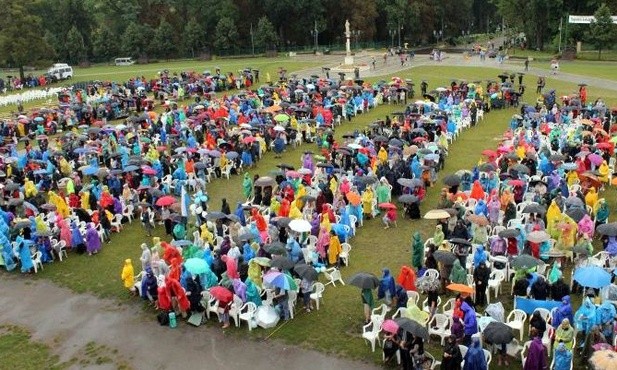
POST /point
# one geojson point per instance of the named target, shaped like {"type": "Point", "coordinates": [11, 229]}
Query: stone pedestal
{"type": "Point", "coordinates": [349, 60]}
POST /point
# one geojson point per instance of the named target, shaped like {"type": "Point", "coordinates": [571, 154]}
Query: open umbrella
{"type": "Point", "coordinates": [196, 266]}
{"type": "Point", "coordinates": [608, 229]}
{"type": "Point", "coordinates": [407, 199]}
{"type": "Point", "coordinates": [300, 226]}
{"type": "Point", "coordinates": [165, 201]}
{"type": "Point", "coordinates": [604, 360]}
{"type": "Point", "coordinates": [264, 181]}
{"type": "Point", "coordinates": [48, 207]}
{"type": "Point", "coordinates": [445, 257]}
{"type": "Point", "coordinates": [277, 248]}
{"type": "Point", "coordinates": [524, 262]}
{"type": "Point", "coordinates": [460, 241]}
{"type": "Point", "coordinates": [305, 271]}
{"type": "Point", "coordinates": [15, 202]}
{"type": "Point", "coordinates": [412, 327]}
{"type": "Point", "coordinates": [281, 263]}
{"type": "Point", "coordinates": [408, 183]}
{"type": "Point", "coordinates": [580, 249]}
{"type": "Point", "coordinates": [486, 167]}
{"type": "Point", "coordinates": [282, 221]}
{"type": "Point", "coordinates": [509, 233]}
{"type": "Point", "coordinates": [353, 198]}
{"type": "Point", "coordinates": [221, 293]}
{"type": "Point", "coordinates": [387, 206]}
{"type": "Point", "coordinates": [557, 157]}
{"type": "Point", "coordinates": [520, 168]}
{"type": "Point", "coordinates": [364, 280]}
{"type": "Point", "coordinates": [262, 261]}
{"type": "Point", "coordinates": [480, 220]}
{"type": "Point", "coordinates": [576, 213]}
{"type": "Point", "coordinates": [452, 180]}
{"type": "Point", "coordinates": [215, 215]}
{"type": "Point", "coordinates": [436, 214]}
{"type": "Point", "coordinates": [280, 280]}
{"type": "Point", "coordinates": [462, 288]}
{"type": "Point", "coordinates": [592, 277]}
{"type": "Point", "coordinates": [498, 333]}
{"type": "Point", "coordinates": [390, 326]}
{"type": "Point", "coordinates": [575, 202]}
{"type": "Point", "coordinates": [534, 208]}
{"type": "Point", "coordinates": [539, 236]}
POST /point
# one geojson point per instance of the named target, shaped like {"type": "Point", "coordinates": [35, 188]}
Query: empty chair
{"type": "Point", "coordinates": [317, 294]}
{"type": "Point", "coordinates": [516, 320]}
{"type": "Point", "coordinates": [448, 307]}
{"type": "Point", "coordinates": [413, 297]}
{"type": "Point", "coordinates": [439, 326]}
{"type": "Point", "coordinates": [494, 282]}
{"type": "Point", "coordinates": [344, 255]}
{"type": "Point", "coordinates": [333, 275]}
{"type": "Point", "coordinates": [247, 313]}
{"type": "Point", "coordinates": [370, 331]}
{"type": "Point", "coordinates": [380, 311]}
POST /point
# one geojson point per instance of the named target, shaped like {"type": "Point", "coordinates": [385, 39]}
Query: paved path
{"type": "Point", "coordinates": [70, 321]}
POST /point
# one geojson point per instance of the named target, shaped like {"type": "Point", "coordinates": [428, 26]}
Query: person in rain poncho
{"type": "Point", "coordinates": [407, 278]}
{"type": "Point", "coordinates": [585, 317]}
{"type": "Point", "coordinates": [417, 251]}
{"type": "Point", "coordinates": [458, 274]}
{"type": "Point", "coordinates": [553, 215]}
{"type": "Point", "coordinates": [367, 202]}
{"type": "Point", "coordinates": [474, 358]}
{"type": "Point", "coordinates": [334, 249]}
{"type": "Point", "coordinates": [247, 185]}
{"type": "Point", "coordinates": [565, 334]}
{"type": "Point", "coordinates": [601, 211]}
{"type": "Point", "coordinates": [562, 357]}
{"type": "Point", "coordinates": [387, 288]}
{"type": "Point", "coordinates": [93, 242]}
{"type": "Point", "coordinates": [438, 236]}
{"type": "Point", "coordinates": [383, 191]}
{"type": "Point", "coordinates": [146, 257]}
{"type": "Point", "coordinates": [555, 273]}
{"type": "Point", "coordinates": [127, 275]}
{"type": "Point", "coordinates": [469, 320]}
{"type": "Point", "coordinates": [536, 355]}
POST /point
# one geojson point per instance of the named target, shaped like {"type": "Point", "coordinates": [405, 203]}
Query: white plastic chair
{"type": "Point", "coordinates": [370, 331]}
{"type": "Point", "coordinates": [344, 255]}
{"type": "Point", "coordinates": [247, 313]}
{"type": "Point", "coordinates": [413, 297]}
{"type": "Point", "coordinates": [317, 294]}
{"type": "Point", "coordinates": [516, 320]}
{"type": "Point", "coordinates": [234, 310]}
{"type": "Point", "coordinates": [128, 213]}
{"type": "Point", "coordinates": [37, 262]}
{"type": "Point", "coordinates": [494, 281]}
{"type": "Point", "coordinates": [425, 306]}
{"type": "Point", "coordinates": [116, 223]}
{"type": "Point", "coordinates": [380, 311]}
{"type": "Point", "coordinates": [432, 273]}
{"type": "Point", "coordinates": [333, 275]}
{"type": "Point", "coordinates": [488, 357]}
{"type": "Point", "coordinates": [448, 307]}
{"type": "Point", "coordinates": [431, 358]}
{"type": "Point", "coordinates": [439, 326]}
{"type": "Point", "coordinates": [227, 170]}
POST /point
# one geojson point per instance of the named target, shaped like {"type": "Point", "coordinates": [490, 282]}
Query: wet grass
{"type": "Point", "coordinates": [336, 327]}
{"type": "Point", "coordinates": [19, 351]}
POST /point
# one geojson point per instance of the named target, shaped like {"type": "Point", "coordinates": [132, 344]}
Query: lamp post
{"type": "Point", "coordinates": [315, 33]}
{"type": "Point", "coordinates": [252, 40]}
{"type": "Point", "coordinates": [392, 33]}
{"type": "Point", "coordinates": [399, 28]}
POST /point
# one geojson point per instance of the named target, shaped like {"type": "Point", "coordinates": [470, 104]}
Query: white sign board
{"type": "Point", "coordinates": [586, 19]}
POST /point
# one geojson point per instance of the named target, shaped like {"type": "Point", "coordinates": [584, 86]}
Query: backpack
{"type": "Point", "coordinates": [163, 318]}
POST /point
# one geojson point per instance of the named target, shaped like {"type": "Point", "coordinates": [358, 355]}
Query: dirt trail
{"type": "Point", "coordinates": [69, 321]}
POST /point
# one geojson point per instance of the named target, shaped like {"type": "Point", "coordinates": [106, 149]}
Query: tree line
{"type": "Point", "coordinates": [76, 31]}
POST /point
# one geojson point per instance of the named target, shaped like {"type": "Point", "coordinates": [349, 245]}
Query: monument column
{"type": "Point", "coordinates": [348, 56]}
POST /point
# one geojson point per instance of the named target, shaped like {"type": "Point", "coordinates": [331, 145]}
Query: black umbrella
{"type": "Point", "coordinates": [364, 280]}
{"type": "Point", "coordinates": [486, 167]}
{"type": "Point", "coordinates": [285, 166]}
{"type": "Point", "coordinates": [512, 155]}
{"type": "Point", "coordinates": [408, 183]}
{"type": "Point", "coordinates": [281, 263]}
{"type": "Point", "coordinates": [576, 213]}
{"type": "Point", "coordinates": [412, 327]}
{"type": "Point", "coordinates": [233, 218]}
{"type": "Point", "coordinates": [395, 142]}
{"type": "Point", "coordinates": [534, 208]}
{"type": "Point", "coordinates": [557, 157]}
{"type": "Point", "coordinates": [520, 168]}
{"type": "Point", "coordinates": [575, 202]}
{"type": "Point", "coordinates": [200, 166]}
{"type": "Point", "coordinates": [11, 186]}
{"type": "Point", "coordinates": [609, 229]}
{"type": "Point", "coordinates": [524, 262]}
{"type": "Point", "coordinates": [276, 248]}
{"type": "Point", "coordinates": [380, 139]}
{"type": "Point", "coordinates": [15, 201]}
{"type": "Point", "coordinates": [460, 241]}
{"type": "Point", "coordinates": [305, 271]}
{"type": "Point", "coordinates": [282, 221]}
{"type": "Point", "coordinates": [407, 199]}
{"type": "Point", "coordinates": [452, 180]}
{"type": "Point", "coordinates": [535, 182]}
{"type": "Point", "coordinates": [83, 215]}
{"type": "Point", "coordinates": [245, 237]}
{"type": "Point", "coordinates": [215, 215]}
{"type": "Point", "coordinates": [156, 192]}
{"type": "Point", "coordinates": [498, 333]}
{"type": "Point", "coordinates": [509, 233]}
{"type": "Point", "coordinates": [368, 180]}
{"type": "Point", "coordinates": [308, 198]}
{"type": "Point", "coordinates": [580, 249]}
{"type": "Point", "coordinates": [445, 257]}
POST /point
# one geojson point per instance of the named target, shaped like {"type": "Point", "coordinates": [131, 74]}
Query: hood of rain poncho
{"type": "Point", "coordinates": [458, 274]}
{"type": "Point", "coordinates": [585, 316]}
{"type": "Point", "coordinates": [474, 358]}
{"type": "Point", "coordinates": [605, 313]}
{"type": "Point", "coordinates": [386, 285]}
{"type": "Point", "coordinates": [555, 273]}
{"type": "Point", "coordinates": [479, 256]}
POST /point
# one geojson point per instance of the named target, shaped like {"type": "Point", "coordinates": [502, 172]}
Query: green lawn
{"type": "Point", "coordinates": [603, 70]}
{"type": "Point", "coordinates": [19, 351]}
{"type": "Point", "coordinates": [336, 327]}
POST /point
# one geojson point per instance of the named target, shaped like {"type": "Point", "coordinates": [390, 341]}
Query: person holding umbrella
{"type": "Point", "coordinates": [367, 282]}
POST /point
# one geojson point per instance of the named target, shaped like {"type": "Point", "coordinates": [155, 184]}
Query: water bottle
{"type": "Point", "coordinates": [172, 320]}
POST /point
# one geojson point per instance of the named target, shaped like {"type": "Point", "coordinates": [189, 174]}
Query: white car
{"type": "Point", "coordinates": [60, 71]}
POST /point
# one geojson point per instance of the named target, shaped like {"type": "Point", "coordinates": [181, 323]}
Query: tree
{"type": "Point", "coordinates": [225, 34]}
{"type": "Point", "coordinates": [265, 35]}
{"type": "Point", "coordinates": [602, 32]}
{"type": "Point", "coordinates": [21, 35]}
{"type": "Point", "coordinates": [134, 41]}
{"type": "Point", "coordinates": [77, 52]}
{"type": "Point", "coordinates": [103, 46]}
{"type": "Point", "coordinates": [163, 43]}
{"type": "Point", "coordinates": [194, 37]}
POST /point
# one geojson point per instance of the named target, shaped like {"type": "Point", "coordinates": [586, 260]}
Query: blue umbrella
{"type": "Point", "coordinates": [592, 277]}
{"type": "Point", "coordinates": [214, 153]}
{"type": "Point", "coordinates": [232, 155]}
{"type": "Point", "coordinates": [569, 166]}
{"type": "Point", "coordinates": [81, 150]}
{"type": "Point", "coordinates": [89, 171]}
{"type": "Point", "coordinates": [130, 168]}
{"type": "Point", "coordinates": [40, 172]}
{"type": "Point", "coordinates": [39, 119]}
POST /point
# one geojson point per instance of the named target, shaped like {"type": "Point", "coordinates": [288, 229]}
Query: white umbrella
{"type": "Point", "coordinates": [301, 226]}
{"type": "Point", "coordinates": [304, 171]}
{"type": "Point", "coordinates": [266, 317]}
{"type": "Point", "coordinates": [279, 128]}
{"type": "Point", "coordinates": [436, 214]}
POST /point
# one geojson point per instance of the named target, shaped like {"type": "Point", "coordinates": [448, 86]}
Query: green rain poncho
{"type": "Point", "coordinates": [383, 193]}
{"type": "Point", "coordinates": [555, 274]}
{"type": "Point", "coordinates": [247, 185]}
{"type": "Point", "coordinates": [439, 236]}
{"type": "Point", "coordinates": [458, 274]}
{"type": "Point", "coordinates": [417, 251]}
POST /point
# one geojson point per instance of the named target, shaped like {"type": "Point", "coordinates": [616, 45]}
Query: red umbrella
{"type": "Point", "coordinates": [387, 206]}
{"type": "Point", "coordinates": [489, 153]}
{"type": "Point", "coordinates": [293, 174]}
{"type": "Point", "coordinates": [248, 140]}
{"type": "Point", "coordinates": [221, 294]}
{"type": "Point", "coordinates": [516, 183]}
{"type": "Point", "coordinates": [606, 146]}
{"type": "Point", "coordinates": [165, 201]}
{"type": "Point", "coordinates": [419, 139]}
{"type": "Point", "coordinates": [148, 170]}
{"type": "Point", "coordinates": [161, 148]}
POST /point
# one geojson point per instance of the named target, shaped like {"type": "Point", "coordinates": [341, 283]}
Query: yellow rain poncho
{"type": "Point", "coordinates": [334, 249]}
{"type": "Point", "coordinates": [325, 223]}
{"type": "Point", "coordinates": [128, 273]}
{"type": "Point", "coordinates": [520, 151]}
{"type": "Point", "coordinates": [591, 198]}
{"type": "Point", "coordinates": [382, 155]}
{"type": "Point", "coordinates": [567, 233]}
{"type": "Point", "coordinates": [61, 207]}
{"type": "Point", "coordinates": [30, 189]}
{"type": "Point", "coordinates": [416, 314]}
{"type": "Point", "coordinates": [65, 167]}
{"type": "Point", "coordinates": [572, 178]}
{"type": "Point", "coordinates": [254, 273]}
{"type": "Point", "coordinates": [367, 201]}
{"type": "Point", "coordinates": [553, 215]}
{"type": "Point", "coordinates": [41, 226]}
{"type": "Point", "coordinates": [85, 199]}
{"type": "Point", "coordinates": [603, 172]}
{"type": "Point", "coordinates": [206, 235]}
{"type": "Point", "coordinates": [333, 185]}
{"type": "Point", "coordinates": [275, 205]}
{"type": "Point", "coordinates": [70, 186]}
{"type": "Point", "coordinates": [294, 212]}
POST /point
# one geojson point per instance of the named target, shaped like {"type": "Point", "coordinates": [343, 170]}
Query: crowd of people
{"type": "Point", "coordinates": [533, 199]}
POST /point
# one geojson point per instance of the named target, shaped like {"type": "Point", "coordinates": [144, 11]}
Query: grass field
{"type": "Point", "coordinates": [336, 327]}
